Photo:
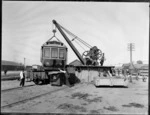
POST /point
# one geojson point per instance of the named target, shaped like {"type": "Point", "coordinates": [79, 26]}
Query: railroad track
{"type": "Point", "coordinates": [10, 89]}
{"type": "Point", "coordinates": [31, 98]}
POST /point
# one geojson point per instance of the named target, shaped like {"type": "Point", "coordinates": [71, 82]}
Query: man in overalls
{"type": "Point", "coordinates": [22, 78]}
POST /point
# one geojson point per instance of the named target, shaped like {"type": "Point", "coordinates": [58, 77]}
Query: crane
{"type": "Point", "coordinates": [91, 57]}
{"type": "Point", "coordinates": [55, 70]}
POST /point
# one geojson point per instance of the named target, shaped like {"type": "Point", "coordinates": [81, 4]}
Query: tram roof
{"type": "Point", "coordinates": [54, 43]}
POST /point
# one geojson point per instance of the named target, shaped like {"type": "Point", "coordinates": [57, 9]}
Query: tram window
{"type": "Point", "coordinates": [54, 52]}
{"type": "Point", "coordinates": [61, 53]}
{"type": "Point", "coordinates": [47, 52]}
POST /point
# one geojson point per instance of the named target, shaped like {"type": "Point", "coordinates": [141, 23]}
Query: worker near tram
{"type": "Point", "coordinates": [22, 78]}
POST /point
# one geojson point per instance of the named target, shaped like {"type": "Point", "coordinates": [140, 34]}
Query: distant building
{"type": "Point", "coordinates": [118, 69]}
{"type": "Point", "coordinates": [75, 63]}
{"type": "Point", "coordinates": [28, 67]}
{"type": "Point", "coordinates": [10, 66]}
{"type": "Point", "coordinates": [126, 66]}
{"type": "Point", "coordinates": [136, 68]}
{"type": "Point", "coordinates": [144, 70]}
{"type": "Point", "coordinates": [4, 62]}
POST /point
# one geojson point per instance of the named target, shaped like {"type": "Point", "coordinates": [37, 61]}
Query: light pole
{"type": "Point", "coordinates": [24, 62]}
{"type": "Point", "coordinates": [131, 48]}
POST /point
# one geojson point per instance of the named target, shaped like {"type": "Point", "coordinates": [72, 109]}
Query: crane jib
{"type": "Point", "coordinates": [69, 42]}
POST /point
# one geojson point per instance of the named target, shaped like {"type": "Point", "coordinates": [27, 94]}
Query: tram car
{"type": "Point", "coordinates": [53, 59]}
{"type": "Point", "coordinates": [53, 55]}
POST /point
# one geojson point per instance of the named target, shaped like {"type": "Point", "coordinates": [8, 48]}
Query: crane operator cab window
{"type": "Point", "coordinates": [54, 52]}
{"type": "Point", "coordinates": [46, 52]}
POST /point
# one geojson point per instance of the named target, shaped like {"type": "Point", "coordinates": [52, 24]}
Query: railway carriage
{"type": "Point", "coordinates": [53, 55]}
{"type": "Point", "coordinates": [53, 58]}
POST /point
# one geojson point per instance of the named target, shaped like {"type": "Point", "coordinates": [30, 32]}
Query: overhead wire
{"type": "Point", "coordinates": [89, 46]}
{"type": "Point", "coordinates": [76, 37]}
{"type": "Point", "coordinates": [79, 45]}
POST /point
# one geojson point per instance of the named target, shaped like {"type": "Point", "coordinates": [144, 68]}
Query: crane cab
{"type": "Point", "coordinates": [53, 55]}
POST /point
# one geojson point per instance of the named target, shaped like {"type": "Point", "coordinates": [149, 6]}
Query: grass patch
{"type": "Point", "coordinates": [111, 108]}
{"type": "Point", "coordinates": [83, 103]}
{"type": "Point", "coordinates": [96, 99]}
{"type": "Point", "coordinates": [80, 95]}
{"type": "Point", "coordinates": [94, 111]}
{"type": "Point", "coordinates": [141, 94]}
{"type": "Point", "coordinates": [137, 105]}
{"type": "Point", "coordinates": [85, 96]}
{"type": "Point", "coordinates": [71, 107]}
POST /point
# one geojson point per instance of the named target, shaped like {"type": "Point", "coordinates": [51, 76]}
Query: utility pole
{"type": "Point", "coordinates": [131, 48]}
{"type": "Point", "coordinates": [24, 62]}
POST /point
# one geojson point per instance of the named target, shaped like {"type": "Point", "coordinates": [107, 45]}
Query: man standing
{"type": "Point", "coordinates": [102, 60]}
{"type": "Point", "coordinates": [144, 78]}
{"type": "Point", "coordinates": [22, 78]}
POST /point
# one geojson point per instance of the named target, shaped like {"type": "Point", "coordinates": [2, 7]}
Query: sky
{"type": "Point", "coordinates": [111, 26]}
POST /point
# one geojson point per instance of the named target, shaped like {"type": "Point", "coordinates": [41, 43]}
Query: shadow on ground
{"type": "Point", "coordinates": [105, 86]}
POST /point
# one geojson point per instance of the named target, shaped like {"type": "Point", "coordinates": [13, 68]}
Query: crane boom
{"type": "Point", "coordinates": [69, 42]}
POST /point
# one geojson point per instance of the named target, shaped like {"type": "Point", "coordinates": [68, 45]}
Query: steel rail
{"type": "Point", "coordinates": [10, 89]}
{"type": "Point", "coordinates": [31, 98]}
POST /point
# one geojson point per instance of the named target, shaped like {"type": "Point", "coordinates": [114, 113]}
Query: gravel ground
{"type": "Point", "coordinates": [82, 98]}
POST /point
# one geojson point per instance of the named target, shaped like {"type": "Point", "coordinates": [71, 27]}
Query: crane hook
{"type": "Point", "coordinates": [54, 31]}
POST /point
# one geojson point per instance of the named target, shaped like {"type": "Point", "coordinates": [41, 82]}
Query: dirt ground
{"type": "Point", "coordinates": [12, 84]}
{"type": "Point", "coordinates": [83, 98]}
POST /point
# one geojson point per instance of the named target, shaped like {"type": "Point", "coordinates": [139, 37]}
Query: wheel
{"type": "Point", "coordinates": [85, 53]}
{"type": "Point", "coordinates": [36, 81]}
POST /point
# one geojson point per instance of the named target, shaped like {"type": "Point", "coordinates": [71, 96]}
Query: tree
{"type": "Point", "coordinates": [139, 62]}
